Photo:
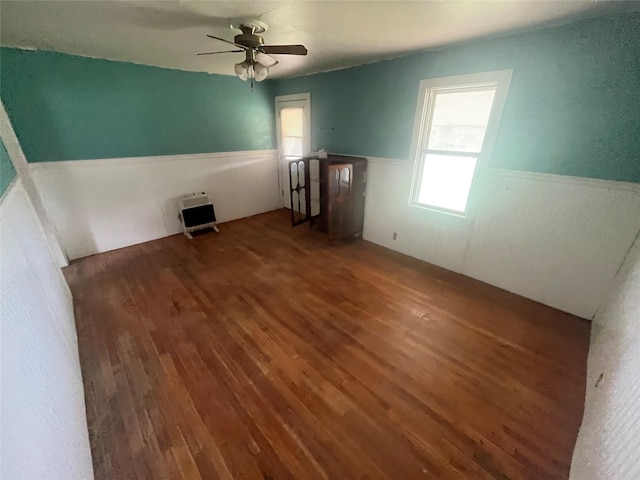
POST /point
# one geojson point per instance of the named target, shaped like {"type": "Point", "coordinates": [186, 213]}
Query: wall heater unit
{"type": "Point", "coordinates": [196, 213]}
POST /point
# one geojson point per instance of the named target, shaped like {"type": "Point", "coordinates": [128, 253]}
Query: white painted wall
{"type": "Point", "coordinates": [43, 429]}
{"type": "Point", "coordinates": [555, 239]}
{"type": "Point", "coordinates": [608, 445]}
{"type": "Point", "coordinates": [101, 205]}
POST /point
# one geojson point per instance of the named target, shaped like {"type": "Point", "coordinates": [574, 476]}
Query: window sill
{"type": "Point", "coordinates": [441, 215]}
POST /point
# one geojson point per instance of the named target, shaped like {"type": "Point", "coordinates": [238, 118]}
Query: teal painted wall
{"type": "Point", "coordinates": [7, 172]}
{"type": "Point", "coordinates": [573, 107]}
{"type": "Point", "coordinates": [64, 107]}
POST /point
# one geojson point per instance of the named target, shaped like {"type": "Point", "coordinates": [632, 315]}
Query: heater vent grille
{"type": "Point", "coordinates": [191, 202]}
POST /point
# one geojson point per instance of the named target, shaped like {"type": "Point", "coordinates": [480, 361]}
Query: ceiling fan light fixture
{"type": "Point", "coordinates": [260, 71]}
{"type": "Point", "coordinates": [242, 70]}
{"type": "Point", "coordinates": [258, 59]}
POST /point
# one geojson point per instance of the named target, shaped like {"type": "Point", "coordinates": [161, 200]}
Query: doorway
{"type": "Point", "coordinates": [293, 136]}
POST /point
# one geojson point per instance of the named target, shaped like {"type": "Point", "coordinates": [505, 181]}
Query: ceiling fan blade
{"type": "Point", "coordinates": [284, 49]}
{"type": "Point", "coordinates": [227, 41]}
{"type": "Point", "coordinates": [225, 51]}
{"type": "Point", "coordinates": [266, 60]}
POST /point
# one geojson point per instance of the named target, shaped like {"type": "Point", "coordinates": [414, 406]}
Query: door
{"type": "Point", "coordinates": [293, 136]}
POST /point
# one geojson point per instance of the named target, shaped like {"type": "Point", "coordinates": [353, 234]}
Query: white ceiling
{"type": "Point", "coordinates": [337, 33]}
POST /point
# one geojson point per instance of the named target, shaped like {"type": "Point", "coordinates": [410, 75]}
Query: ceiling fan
{"type": "Point", "coordinates": [258, 57]}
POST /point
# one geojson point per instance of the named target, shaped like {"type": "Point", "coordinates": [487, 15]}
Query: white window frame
{"type": "Point", "coordinates": [501, 79]}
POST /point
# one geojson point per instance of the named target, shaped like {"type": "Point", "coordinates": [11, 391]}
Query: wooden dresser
{"type": "Point", "coordinates": [329, 194]}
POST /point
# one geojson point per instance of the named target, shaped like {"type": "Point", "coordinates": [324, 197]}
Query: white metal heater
{"type": "Point", "coordinates": [196, 213]}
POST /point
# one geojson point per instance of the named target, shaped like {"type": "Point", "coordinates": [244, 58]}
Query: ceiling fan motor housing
{"type": "Point", "coordinates": [249, 40]}
{"type": "Point", "coordinates": [249, 36]}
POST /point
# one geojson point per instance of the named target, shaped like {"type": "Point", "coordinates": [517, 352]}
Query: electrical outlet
{"type": "Point", "coordinates": [395, 235]}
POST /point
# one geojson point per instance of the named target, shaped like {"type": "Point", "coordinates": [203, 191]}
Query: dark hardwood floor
{"type": "Point", "coordinates": [263, 352]}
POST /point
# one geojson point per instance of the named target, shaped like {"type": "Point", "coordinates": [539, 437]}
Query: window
{"type": "Point", "coordinates": [291, 121]}
{"type": "Point", "coordinates": [456, 122]}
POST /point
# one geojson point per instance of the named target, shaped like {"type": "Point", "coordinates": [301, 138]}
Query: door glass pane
{"type": "Point", "coordinates": [292, 147]}
{"type": "Point", "coordinates": [292, 125]}
{"type": "Point", "coordinates": [344, 178]}
{"type": "Point", "coordinates": [446, 181]}
{"type": "Point", "coordinates": [460, 120]}
{"type": "Point", "coordinates": [301, 173]}
{"type": "Point", "coordinates": [294, 175]}
{"type": "Point", "coordinates": [291, 121]}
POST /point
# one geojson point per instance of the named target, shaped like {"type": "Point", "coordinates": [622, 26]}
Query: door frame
{"type": "Point", "coordinates": [284, 101]}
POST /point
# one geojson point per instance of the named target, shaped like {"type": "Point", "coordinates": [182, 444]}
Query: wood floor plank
{"type": "Point", "coordinates": [265, 352]}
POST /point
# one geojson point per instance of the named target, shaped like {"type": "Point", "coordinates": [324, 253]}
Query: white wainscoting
{"type": "Point", "coordinates": [44, 427]}
{"type": "Point", "coordinates": [101, 205]}
{"type": "Point", "coordinates": [608, 445]}
{"type": "Point", "coordinates": [555, 239]}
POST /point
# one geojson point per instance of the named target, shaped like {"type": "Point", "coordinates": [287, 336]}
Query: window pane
{"type": "Point", "coordinates": [446, 181]}
{"type": "Point", "coordinates": [293, 174]}
{"type": "Point", "coordinates": [291, 122]}
{"type": "Point", "coordinates": [460, 120]}
{"type": "Point", "coordinates": [292, 146]}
